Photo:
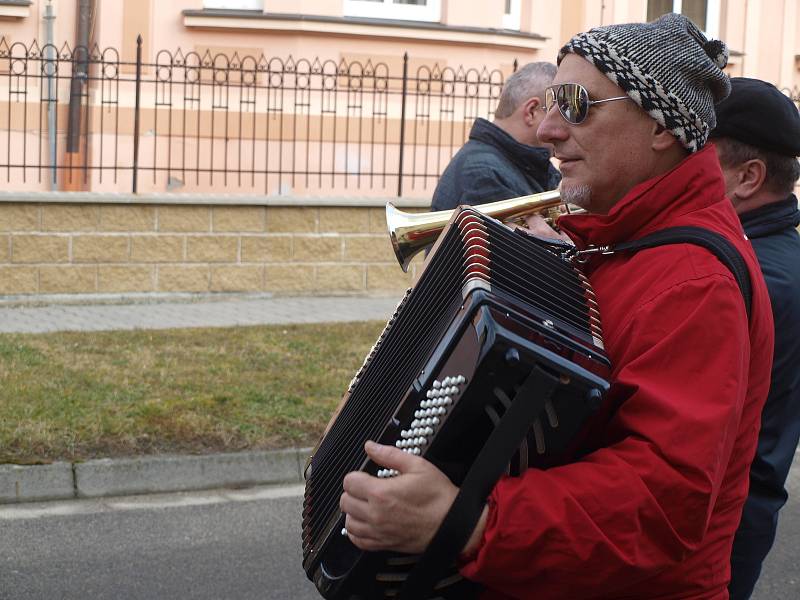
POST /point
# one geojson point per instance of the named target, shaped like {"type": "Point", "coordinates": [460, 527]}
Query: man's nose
{"type": "Point", "coordinates": [553, 128]}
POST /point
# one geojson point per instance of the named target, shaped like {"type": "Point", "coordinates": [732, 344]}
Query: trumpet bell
{"type": "Point", "coordinates": [413, 232]}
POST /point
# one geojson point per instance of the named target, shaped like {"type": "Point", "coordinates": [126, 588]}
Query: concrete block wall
{"type": "Point", "coordinates": [64, 243]}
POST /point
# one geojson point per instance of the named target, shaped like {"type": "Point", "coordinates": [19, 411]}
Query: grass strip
{"type": "Point", "coordinates": [73, 396]}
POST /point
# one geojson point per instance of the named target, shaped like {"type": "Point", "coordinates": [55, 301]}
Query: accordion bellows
{"type": "Point", "coordinates": [490, 304]}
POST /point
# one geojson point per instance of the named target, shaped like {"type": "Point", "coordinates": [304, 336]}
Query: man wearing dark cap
{"type": "Point", "coordinates": [650, 507]}
{"type": "Point", "coordinates": [758, 142]}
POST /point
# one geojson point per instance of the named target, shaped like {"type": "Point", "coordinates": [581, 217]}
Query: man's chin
{"type": "Point", "coordinates": [576, 194]}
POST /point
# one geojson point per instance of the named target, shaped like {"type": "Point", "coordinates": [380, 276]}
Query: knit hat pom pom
{"type": "Point", "coordinates": [717, 51]}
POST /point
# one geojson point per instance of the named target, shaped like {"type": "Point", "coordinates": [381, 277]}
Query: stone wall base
{"type": "Point", "coordinates": [106, 247]}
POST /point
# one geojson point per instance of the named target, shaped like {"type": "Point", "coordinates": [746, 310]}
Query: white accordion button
{"type": "Point", "coordinates": [436, 384]}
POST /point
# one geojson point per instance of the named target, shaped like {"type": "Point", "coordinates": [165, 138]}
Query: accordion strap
{"type": "Point", "coordinates": [712, 241]}
{"type": "Point", "coordinates": [726, 252]}
{"type": "Point", "coordinates": [484, 473]}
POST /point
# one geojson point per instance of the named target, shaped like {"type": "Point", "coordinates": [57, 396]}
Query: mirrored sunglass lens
{"type": "Point", "coordinates": [573, 102]}
{"type": "Point", "coordinates": [549, 99]}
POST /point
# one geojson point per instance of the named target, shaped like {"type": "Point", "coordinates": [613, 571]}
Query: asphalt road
{"type": "Point", "coordinates": [231, 545]}
{"type": "Point", "coordinates": [218, 545]}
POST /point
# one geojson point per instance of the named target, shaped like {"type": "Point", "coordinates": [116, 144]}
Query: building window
{"type": "Point", "coordinates": [704, 13]}
{"type": "Point", "coordinates": [235, 4]}
{"type": "Point", "coordinates": [511, 15]}
{"type": "Point", "coordinates": [410, 10]}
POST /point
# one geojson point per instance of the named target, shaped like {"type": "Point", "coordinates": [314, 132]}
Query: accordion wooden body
{"type": "Point", "coordinates": [491, 304]}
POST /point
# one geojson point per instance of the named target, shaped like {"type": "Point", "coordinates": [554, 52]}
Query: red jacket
{"type": "Point", "coordinates": [651, 513]}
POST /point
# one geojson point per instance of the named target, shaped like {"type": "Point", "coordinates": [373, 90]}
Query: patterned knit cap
{"type": "Point", "coordinates": [668, 67]}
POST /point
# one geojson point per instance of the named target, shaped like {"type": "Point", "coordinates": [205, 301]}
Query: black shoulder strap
{"type": "Point", "coordinates": [716, 243]}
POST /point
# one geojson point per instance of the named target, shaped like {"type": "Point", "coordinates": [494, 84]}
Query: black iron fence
{"type": "Point", "coordinates": [200, 120]}
{"type": "Point", "coordinates": [206, 121]}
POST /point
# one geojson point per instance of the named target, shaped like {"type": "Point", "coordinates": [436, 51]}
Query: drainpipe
{"type": "Point", "coordinates": [78, 86]}
{"type": "Point", "coordinates": [49, 17]}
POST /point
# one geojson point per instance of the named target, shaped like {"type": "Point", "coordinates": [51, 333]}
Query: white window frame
{"type": "Point", "coordinates": [513, 19]}
{"type": "Point", "coordinates": [235, 4]}
{"type": "Point", "coordinates": [712, 16]}
{"type": "Point", "coordinates": [387, 9]}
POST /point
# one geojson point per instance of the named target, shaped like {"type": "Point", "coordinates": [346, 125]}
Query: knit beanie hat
{"type": "Point", "coordinates": [667, 67]}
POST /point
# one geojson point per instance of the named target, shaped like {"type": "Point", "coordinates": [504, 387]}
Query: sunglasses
{"type": "Point", "coordinates": [573, 101]}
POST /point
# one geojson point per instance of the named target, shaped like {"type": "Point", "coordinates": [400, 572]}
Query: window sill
{"type": "Point", "coordinates": [360, 27]}
{"type": "Point", "coordinates": [15, 9]}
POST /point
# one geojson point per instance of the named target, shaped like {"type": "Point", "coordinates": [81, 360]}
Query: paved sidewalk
{"type": "Point", "coordinates": [206, 311]}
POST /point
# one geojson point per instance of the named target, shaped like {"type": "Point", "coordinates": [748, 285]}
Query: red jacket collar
{"type": "Point", "coordinates": [693, 184]}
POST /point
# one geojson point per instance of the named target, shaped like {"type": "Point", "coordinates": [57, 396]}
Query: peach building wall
{"type": "Point", "coordinates": [764, 38]}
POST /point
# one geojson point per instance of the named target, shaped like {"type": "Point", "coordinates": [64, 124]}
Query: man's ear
{"type": "Point", "coordinates": [750, 176]}
{"type": "Point", "coordinates": [662, 137]}
{"type": "Point", "coordinates": [529, 108]}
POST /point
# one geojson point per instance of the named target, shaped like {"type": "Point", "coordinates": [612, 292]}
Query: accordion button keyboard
{"type": "Point", "coordinates": [426, 418]}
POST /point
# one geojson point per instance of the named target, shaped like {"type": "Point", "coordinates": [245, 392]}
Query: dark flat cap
{"type": "Point", "coordinates": [757, 113]}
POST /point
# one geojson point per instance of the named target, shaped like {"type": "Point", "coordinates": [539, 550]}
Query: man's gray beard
{"type": "Point", "coordinates": [579, 195]}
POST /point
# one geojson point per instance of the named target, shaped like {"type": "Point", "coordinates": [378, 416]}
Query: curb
{"type": "Point", "coordinates": [148, 475]}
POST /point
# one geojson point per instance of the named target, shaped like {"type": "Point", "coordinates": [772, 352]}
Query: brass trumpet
{"type": "Point", "coordinates": [412, 232]}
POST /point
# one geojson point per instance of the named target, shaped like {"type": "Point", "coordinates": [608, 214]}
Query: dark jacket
{"type": "Point", "coordinates": [772, 231]}
{"type": "Point", "coordinates": [491, 166]}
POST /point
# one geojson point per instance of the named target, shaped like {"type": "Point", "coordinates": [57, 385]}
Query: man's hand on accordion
{"type": "Point", "coordinates": [399, 513]}
{"type": "Point", "coordinates": [539, 227]}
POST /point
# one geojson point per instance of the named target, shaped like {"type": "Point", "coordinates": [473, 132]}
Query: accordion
{"type": "Point", "coordinates": [496, 317]}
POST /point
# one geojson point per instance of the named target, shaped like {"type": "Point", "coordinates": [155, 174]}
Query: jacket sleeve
{"type": "Point", "coordinates": [644, 500]}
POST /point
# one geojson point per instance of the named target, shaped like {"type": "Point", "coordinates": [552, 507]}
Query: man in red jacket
{"type": "Point", "coordinates": [651, 511]}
